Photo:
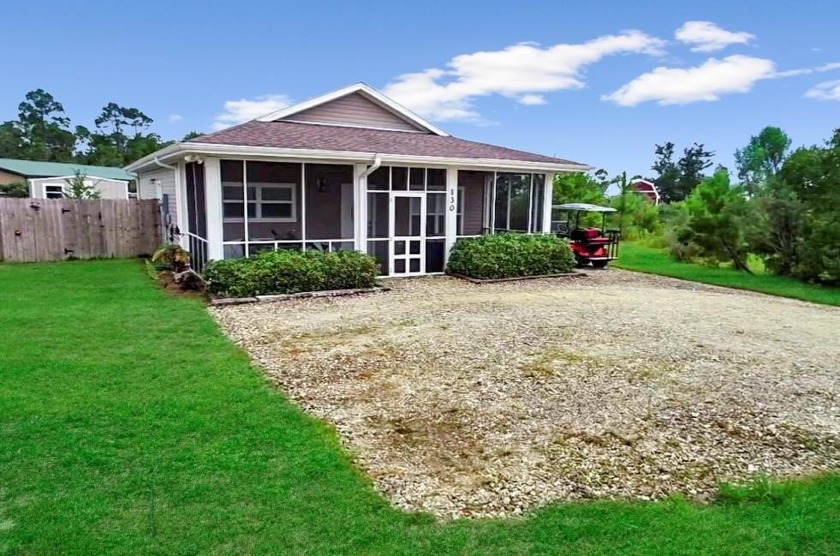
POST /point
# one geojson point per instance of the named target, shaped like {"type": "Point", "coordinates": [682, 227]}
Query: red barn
{"type": "Point", "coordinates": [648, 189]}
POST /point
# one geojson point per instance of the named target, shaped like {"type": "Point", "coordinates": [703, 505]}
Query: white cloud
{"type": "Point", "coordinates": [243, 110]}
{"type": "Point", "coordinates": [532, 100]}
{"type": "Point", "coordinates": [827, 90]}
{"type": "Point", "coordinates": [808, 71]}
{"type": "Point", "coordinates": [706, 82]}
{"type": "Point", "coordinates": [521, 71]}
{"type": "Point", "coordinates": [173, 118]}
{"type": "Point", "coordinates": [705, 36]}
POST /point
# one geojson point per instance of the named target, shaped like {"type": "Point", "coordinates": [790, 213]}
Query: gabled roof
{"type": "Point", "coordinates": [279, 135]}
{"type": "Point", "coordinates": [292, 135]}
{"type": "Point", "coordinates": [38, 169]}
{"type": "Point", "coordinates": [366, 91]}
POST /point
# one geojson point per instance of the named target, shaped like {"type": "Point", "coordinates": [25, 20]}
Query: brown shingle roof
{"type": "Point", "coordinates": [292, 135]}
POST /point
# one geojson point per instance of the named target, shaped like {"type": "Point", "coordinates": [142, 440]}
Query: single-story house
{"type": "Point", "coordinates": [351, 169]}
{"type": "Point", "coordinates": [49, 180]}
{"type": "Point", "coordinates": [648, 189]}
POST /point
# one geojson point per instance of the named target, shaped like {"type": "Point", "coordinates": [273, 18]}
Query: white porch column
{"type": "Point", "coordinates": [451, 212]}
{"type": "Point", "coordinates": [213, 208]}
{"type": "Point", "coordinates": [548, 200]}
{"type": "Point", "coordinates": [360, 207]}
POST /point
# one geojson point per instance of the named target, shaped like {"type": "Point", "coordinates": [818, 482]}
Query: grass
{"type": "Point", "coordinates": [130, 425]}
{"type": "Point", "coordinates": [638, 257]}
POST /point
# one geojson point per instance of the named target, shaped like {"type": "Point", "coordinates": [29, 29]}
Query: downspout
{"type": "Point", "coordinates": [165, 226]}
{"type": "Point", "coordinates": [163, 165]}
{"type": "Point", "coordinates": [377, 162]}
{"type": "Point", "coordinates": [360, 202]}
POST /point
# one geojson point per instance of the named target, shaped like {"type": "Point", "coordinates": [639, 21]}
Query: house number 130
{"type": "Point", "coordinates": [451, 200]}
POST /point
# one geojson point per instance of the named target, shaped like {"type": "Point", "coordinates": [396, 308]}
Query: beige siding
{"type": "Point", "coordinates": [146, 189]}
{"type": "Point", "coordinates": [108, 189]}
{"type": "Point", "coordinates": [355, 110]}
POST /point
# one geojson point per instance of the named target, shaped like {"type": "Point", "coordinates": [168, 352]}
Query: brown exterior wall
{"type": "Point", "coordinates": [8, 177]}
{"type": "Point", "coordinates": [355, 110]}
{"type": "Point", "coordinates": [473, 215]}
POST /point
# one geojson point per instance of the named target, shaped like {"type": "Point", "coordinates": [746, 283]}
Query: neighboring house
{"type": "Point", "coordinates": [649, 189]}
{"type": "Point", "coordinates": [48, 180]}
{"type": "Point", "coordinates": [348, 170]}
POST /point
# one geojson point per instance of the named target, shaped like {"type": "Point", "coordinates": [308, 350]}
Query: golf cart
{"type": "Point", "coordinates": [590, 245]}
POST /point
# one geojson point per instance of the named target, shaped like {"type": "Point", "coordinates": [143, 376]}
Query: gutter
{"type": "Point", "coordinates": [304, 155]}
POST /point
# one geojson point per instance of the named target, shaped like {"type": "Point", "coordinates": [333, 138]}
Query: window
{"type": "Point", "coordinates": [274, 202]}
{"type": "Point", "coordinates": [53, 191]}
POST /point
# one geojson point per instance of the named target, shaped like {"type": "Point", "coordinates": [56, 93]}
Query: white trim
{"type": "Point", "coordinates": [360, 202]}
{"type": "Point", "coordinates": [652, 187]}
{"type": "Point", "coordinates": [451, 213]}
{"type": "Point", "coordinates": [365, 90]}
{"type": "Point", "coordinates": [307, 155]}
{"type": "Point", "coordinates": [393, 238]}
{"type": "Point", "coordinates": [213, 206]}
{"type": "Point", "coordinates": [87, 177]}
{"type": "Point", "coordinates": [548, 198]}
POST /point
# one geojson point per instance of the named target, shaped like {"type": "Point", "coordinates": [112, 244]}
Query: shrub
{"type": "Point", "coordinates": [171, 256]}
{"type": "Point", "coordinates": [281, 272]}
{"type": "Point", "coordinates": [510, 255]}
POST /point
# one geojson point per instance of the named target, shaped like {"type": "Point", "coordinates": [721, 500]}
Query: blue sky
{"type": "Point", "coordinates": [631, 74]}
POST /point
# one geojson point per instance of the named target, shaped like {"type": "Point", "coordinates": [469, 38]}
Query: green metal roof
{"type": "Point", "coordinates": [36, 169]}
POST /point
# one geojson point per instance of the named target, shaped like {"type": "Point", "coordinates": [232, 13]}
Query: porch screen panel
{"type": "Point", "coordinates": [520, 202]}
{"type": "Point", "coordinates": [537, 206]}
{"type": "Point", "coordinates": [379, 251]}
{"type": "Point", "coordinates": [274, 201]}
{"type": "Point", "coordinates": [196, 208]}
{"type": "Point", "coordinates": [434, 255]}
{"type": "Point", "coordinates": [233, 207]}
{"type": "Point", "coordinates": [435, 214]}
{"type": "Point", "coordinates": [502, 196]}
{"type": "Point", "coordinates": [329, 203]}
{"type": "Point", "coordinates": [471, 209]}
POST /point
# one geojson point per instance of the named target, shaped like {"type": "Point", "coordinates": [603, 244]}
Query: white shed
{"type": "Point", "coordinates": [58, 187]}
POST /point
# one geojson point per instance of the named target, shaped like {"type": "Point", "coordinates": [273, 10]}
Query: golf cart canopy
{"type": "Point", "coordinates": [585, 207]}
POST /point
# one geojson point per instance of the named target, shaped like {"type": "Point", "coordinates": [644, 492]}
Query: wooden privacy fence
{"type": "Point", "coordinates": [55, 229]}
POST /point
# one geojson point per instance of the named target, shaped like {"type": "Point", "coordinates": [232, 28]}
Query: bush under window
{"type": "Point", "coordinates": [283, 272]}
{"type": "Point", "coordinates": [510, 256]}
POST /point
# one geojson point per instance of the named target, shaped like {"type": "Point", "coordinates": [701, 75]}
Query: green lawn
{"type": "Point", "coordinates": [634, 256]}
{"type": "Point", "coordinates": [130, 425]}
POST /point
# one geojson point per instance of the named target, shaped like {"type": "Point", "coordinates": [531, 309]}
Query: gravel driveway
{"type": "Point", "coordinates": [489, 400]}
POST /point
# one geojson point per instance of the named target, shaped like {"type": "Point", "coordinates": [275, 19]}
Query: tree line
{"type": "Point", "coordinates": [42, 131]}
{"type": "Point", "coordinates": [781, 206]}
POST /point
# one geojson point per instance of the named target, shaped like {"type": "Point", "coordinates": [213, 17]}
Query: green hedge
{"type": "Point", "coordinates": [280, 272]}
{"type": "Point", "coordinates": [510, 255]}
